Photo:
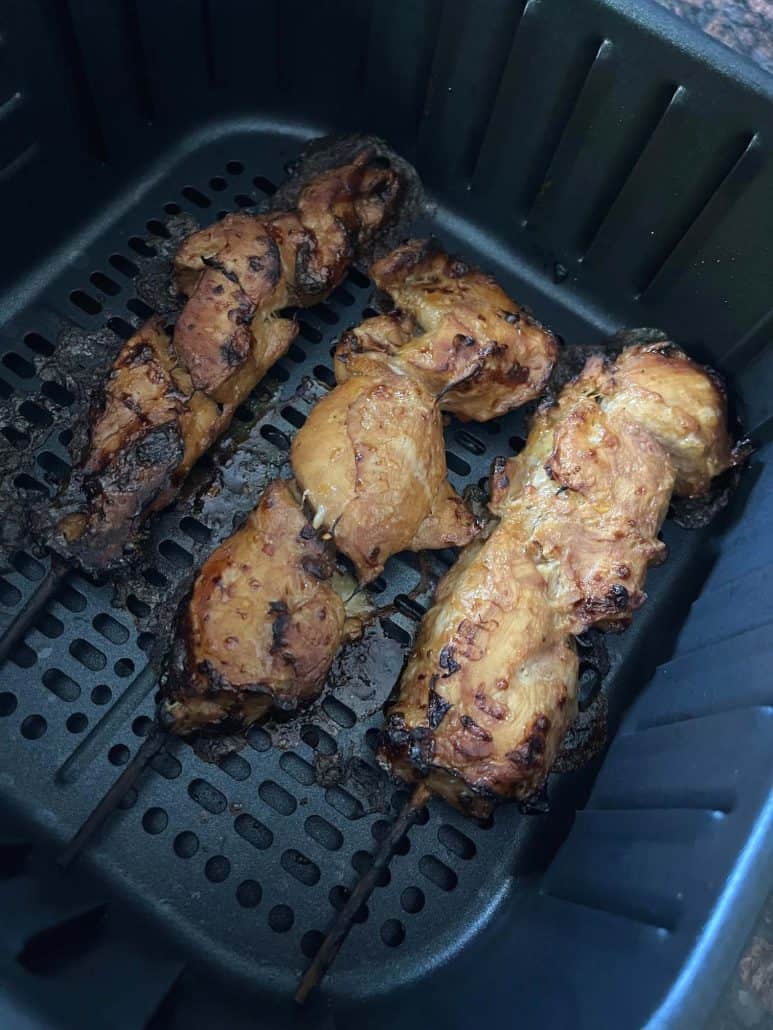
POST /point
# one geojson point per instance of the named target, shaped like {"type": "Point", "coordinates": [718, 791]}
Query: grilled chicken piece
{"type": "Point", "coordinates": [371, 458]}
{"type": "Point", "coordinates": [262, 624]}
{"type": "Point", "coordinates": [166, 400]}
{"type": "Point", "coordinates": [490, 688]}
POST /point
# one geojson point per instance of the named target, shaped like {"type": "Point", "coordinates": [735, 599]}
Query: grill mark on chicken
{"type": "Point", "coordinates": [580, 509]}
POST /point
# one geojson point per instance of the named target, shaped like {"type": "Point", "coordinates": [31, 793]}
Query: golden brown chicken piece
{"type": "Point", "coordinates": [490, 687]}
{"type": "Point", "coordinates": [371, 458]}
{"type": "Point", "coordinates": [261, 626]}
{"type": "Point", "coordinates": [166, 400]}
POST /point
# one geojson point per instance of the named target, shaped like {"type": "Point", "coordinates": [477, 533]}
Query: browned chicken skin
{"type": "Point", "coordinates": [167, 399]}
{"type": "Point", "coordinates": [490, 688]}
{"type": "Point", "coordinates": [371, 457]}
{"type": "Point", "coordinates": [261, 625]}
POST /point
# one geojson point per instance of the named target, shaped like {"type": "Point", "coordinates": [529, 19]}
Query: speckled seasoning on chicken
{"type": "Point", "coordinates": [167, 398]}
{"type": "Point", "coordinates": [490, 687]}
{"type": "Point", "coordinates": [371, 457]}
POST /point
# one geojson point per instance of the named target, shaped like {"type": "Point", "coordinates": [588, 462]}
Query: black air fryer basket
{"type": "Point", "coordinates": [613, 169]}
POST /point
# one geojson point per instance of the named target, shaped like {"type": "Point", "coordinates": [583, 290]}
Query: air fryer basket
{"type": "Point", "coordinates": [612, 169]}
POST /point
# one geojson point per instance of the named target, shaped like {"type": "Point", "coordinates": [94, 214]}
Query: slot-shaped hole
{"type": "Point", "coordinates": [39, 344]}
{"type": "Point", "coordinates": [276, 437]}
{"type": "Point", "coordinates": [264, 185]}
{"type": "Point", "coordinates": [325, 375]}
{"type": "Point", "coordinates": [370, 312]}
{"type": "Point", "coordinates": [339, 895]}
{"type": "Point", "coordinates": [318, 739]}
{"type": "Point", "coordinates": [395, 632]}
{"type": "Point", "coordinates": [293, 416]}
{"type": "Point", "coordinates": [517, 444]}
{"type": "Point", "coordinates": [437, 872]}
{"type": "Point", "coordinates": [218, 184]}
{"type": "Point", "coordinates": [196, 196]}
{"type": "Point", "coordinates": [60, 684]}
{"type": "Point", "coordinates": [19, 365]}
{"type": "Point", "coordinates": [157, 228]}
{"type": "Point", "coordinates": [167, 765]}
{"type": "Point", "coordinates": [308, 332]}
{"type": "Point", "coordinates": [16, 438]}
{"type": "Point", "coordinates": [325, 314]}
{"type": "Point", "coordinates": [296, 353]}
{"type": "Point", "coordinates": [381, 828]}
{"type": "Point", "coordinates": [172, 208]}
{"type": "Point", "coordinates": [110, 628]}
{"type": "Point", "coordinates": [457, 464]}
{"type": "Point", "coordinates": [57, 393]}
{"type": "Point", "coordinates": [25, 482]}
{"type": "Point", "coordinates": [140, 308]}
{"type": "Point", "coordinates": [258, 738]}
{"type": "Point", "coordinates": [53, 466]}
{"type": "Point", "coordinates": [217, 869]}
{"type": "Point", "coordinates": [301, 868]}
{"type": "Point", "coordinates": [27, 566]}
{"type": "Point", "coordinates": [243, 200]}
{"type": "Point", "coordinates": [208, 797]}
{"type": "Point", "coordinates": [342, 296]}
{"type": "Point", "coordinates": [378, 586]}
{"type": "Point", "coordinates": [296, 767]}
{"type": "Point", "coordinates": [23, 656]}
{"type": "Point", "coordinates": [469, 442]}
{"type": "Point", "coordinates": [311, 942]}
{"type": "Point", "coordinates": [234, 167]}
{"type": "Point", "coordinates": [137, 607]}
{"type": "Point", "coordinates": [120, 327]}
{"type": "Point", "coordinates": [373, 738]}
{"type": "Point", "coordinates": [104, 283]}
{"type": "Point", "coordinates": [70, 598]}
{"type": "Point", "coordinates": [141, 247]}
{"type": "Point", "coordinates": [9, 594]}
{"type": "Point", "coordinates": [235, 766]}
{"type": "Point", "coordinates": [175, 554]}
{"type": "Point", "coordinates": [359, 278]}
{"type": "Point", "coordinates": [154, 577]}
{"type": "Point", "coordinates": [87, 654]}
{"type": "Point", "coordinates": [277, 797]}
{"type": "Point", "coordinates": [34, 414]}
{"type": "Point", "coordinates": [342, 801]}
{"type": "Point", "coordinates": [324, 833]}
{"type": "Point", "coordinates": [339, 712]}
{"type": "Point", "coordinates": [85, 302]}
{"type": "Point", "coordinates": [49, 625]}
{"type": "Point", "coordinates": [456, 842]}
{"type": "Point", "coordinates": [6, 390]}
{"type": "Point", "coordinates": [253, 831]}
{"type": "Point", "coordinates": [361, 863]}
{"type": "Point", "coordinates": [194, 529]}
{"type": "Point", "coordinates": [124, 266]}
{"type": "Point", "coordinates": [409, 607]}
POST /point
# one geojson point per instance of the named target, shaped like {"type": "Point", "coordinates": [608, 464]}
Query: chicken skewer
{"type": "Point", "coordinates": [490, 687]}
{"type": "Point", "coordinates": [265, 617]}
{"type": "Point", "coordinates": [167, 398]}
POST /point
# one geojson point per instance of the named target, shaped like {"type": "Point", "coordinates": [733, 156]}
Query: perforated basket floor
{"type": "Point", "coordinates": [244, 861]}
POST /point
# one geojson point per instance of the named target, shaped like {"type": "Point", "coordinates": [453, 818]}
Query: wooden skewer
{"type": "Point", "coordinates": [342, 924]}
{"type": "Point", "coordinates": [150, 746]}
{"type": "Point", "coordinates": [23, 620]}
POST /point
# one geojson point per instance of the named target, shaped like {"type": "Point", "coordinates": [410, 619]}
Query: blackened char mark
{"type": "Point", "coordinates": [474, 729]}
{"type": "Point", "coordinates": [531, 754]}
{"type": "Point", "coordinates": [437, 706]}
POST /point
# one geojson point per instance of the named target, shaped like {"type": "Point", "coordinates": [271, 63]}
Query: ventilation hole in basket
{"type": "Point", "coordinates": [392, 933]}
{"type": "Point", "coordinates": [27, 566]}
{"type": "Point", "coordinates": [196, 196]}
{"type": "Point", "coordinates": [209, 797]}
{"type": "Point", "coordinates": [437, 872]}
{"type": "Point", "coordinates": [33, 727]}
{"type": "Point", "coordinates": [172, 208]}
{"type": "Point", "coordinates": [395, 632]}
{"type": "Point", "coordinates": [295, 766]}
{"type": "Point", "coordinates": [155, 821]}
{"type": "Point", "coordinates": [344, 802]}
{"type": "Point", "coordinates": [23, 656]}
{"type": "Point", "coordinates": [242, 200]}
{"type": "Point", "coordinates": [342, 296]}
{"type": "Point", "coordinates": [412, 900]}
{"type": "Point", "coordinates": [53, 466]}
{"type": "Point", "coordinates": [318, 739]}
{"type": "Point", "coordinates": [145, 641]}
{"type": "Point", "coordinates": [9, 594]}
{"type": "Point", "coordinates": [15, 437]}
{"type": "Point", "coordinates": [325, 375]}
{"type": "Point", "coordinates": [338, 897]}
{"type": "Point", "coordinates": [8, 703]}
{"type": "Point", "coordinates": [378, 586]}
{"type": "Point", "coordinates": [34, 414]}
{"type": "Point", "coordinates": [457, 464]}
{"type": "Point", "coordinates": [281, 918]}
{"type": "Point", "coordinates": [457, 842]}
{"type": "Point", "coordinates": [221, 215]}
{"type": "Point", "coordinates": [140, 308]}
{"type": "Point", "coordinates": [137, 607]}
{"type": "Point", "coordinates": [142, 726]}
{"type": "Point", "coordinates": [101, 694]}
{"type": "Point", "coordinates": [308, 332]}
{"type": "Point", "coordinates": [141, 247]}
{"type": "Point", "coordinates": [234, 167]}
{"type": "Point", "coordinates": [325, 314]}
{"type": "Point", "coordinates": [175, 554]}
{"type": "Point", "coordinates": [25, 482]}
{"type": "Point", "coordinates": [166, 765]}
{"type": "Point", "coordinates": [218, 183]}
{"type": "Point", "coordinates": [359, 278]}
{"type": "Point", "coordinates": [87, 654]}
{"type": "Point", "coordinates": [186, 844]}
{"type": "Point", "coordinates": [85, 302]}
{"type": "Point", "coordinates": [339, 712]}
{"type": "Point", "coordinates": [49, 626]}
{"type": "Point", "coordinates": [57, 393]}
{"type": "Point", "coordinates": [110, 629]}
{"type": "Point", "coordinates": [235, 766]}
{"type": "Point", "coordinates": [120, 327]}
{"type": "Point", "coordinates": [217, 869]}
{"type": "Point", "coordinates": [370, 312]}
{"type": "Point", "coordinates": [195, 530]}
{"type": "Point", "coordinates": [407, 606]}
{"type": "Point", "coordinates": [294, 417]}
{"type": "Point", "coordinates": [157, 228]}
{"type": "Point", "coordinates": [243, 413]}
{"type": "Point", "coordinates": [258, 739]}
{"type": "Point", "coordinates": [154, 577]}
{"type": "Point", "coordinates": [517, 444]}
{"type": "Point", "coordinates": [469, 442]}
{"type": "Point", "coordinates": [249, 893]}
{"type": "Point", "coordinates": [124, 266]}
{"type": "Point", "coordinates": [19, 365]}
{"type": "Point", "coordinates": [296, 354]}
{"type": "Point", "coordinates": [39, 344]}
{"type": "Point", "coordinates": [277, 797]}
{"type": "Point", "coordinates": [276, 437]}
{"type": "Point", "coordinates": [264, 185]}
{"type": "Point", "coordinates": [311, 942]}
{"type": "Point", "coordinates": [71, 599]}
{"type": "Point", "coordinates": [373, 739]}
{"type": "Point", "coordinates": [253, 831]}
{"type": "Point", "coordinates": [299, 867]}
{"type": "Point", "coordinates": [324, 833]}
{"type": "Point", "coordinates": [60, 684]}
{"type": "Point", "coordinates": [361, 863]}
{"type": "Point", "coordinates": [118, 754]}
{"type": "Point", "coordinates": [104, 283]}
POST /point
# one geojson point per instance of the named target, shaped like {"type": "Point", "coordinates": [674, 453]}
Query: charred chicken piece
{"type": "Point", "coordinates": [371, 457]}
{"type": "Point", "coordinates": [490, 688]}
{"type": "Point", "coordinates": [262, 624]}
{"type": "Point", "coordinates": [167, 399]}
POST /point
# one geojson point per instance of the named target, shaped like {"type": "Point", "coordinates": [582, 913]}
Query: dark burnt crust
{"type": "Point", "coordinates": [530, 755]}
{"type": "Point", "coordinates": [437, 706]}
